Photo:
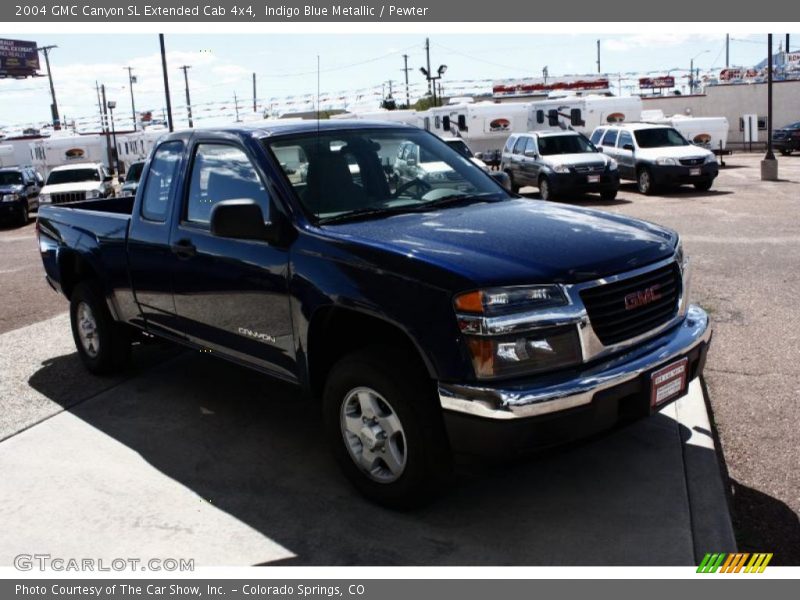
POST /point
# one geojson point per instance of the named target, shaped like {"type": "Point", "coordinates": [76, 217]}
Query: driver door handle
{"type": "Point", "coordinates": [184, 249]}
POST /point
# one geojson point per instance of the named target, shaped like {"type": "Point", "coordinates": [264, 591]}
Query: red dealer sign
{"type": "Point", "coordinates": [657, 82]}
{"type": "Point", "coordinates": [18, 58]}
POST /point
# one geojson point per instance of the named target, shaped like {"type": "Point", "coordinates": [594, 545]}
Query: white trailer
{"type": "Point", "coordinates": [585, 113]}
{"type": "Point", "coordinates": [15, 153]}
{"type": "Point", "coordinates": [709, 132]}
{"type": "Point", "coordinates": [65, 148]}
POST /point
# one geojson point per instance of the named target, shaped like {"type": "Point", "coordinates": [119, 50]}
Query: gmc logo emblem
{"type": "Point", "coordinates": [642, 298]}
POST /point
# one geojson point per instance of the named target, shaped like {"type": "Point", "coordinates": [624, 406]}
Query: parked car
{"type": "Point", "coordinates": [132, 178]}
{"type": "Point", "coordinates": [428, 320]}
{"type": "Point", "coordinates": [19, 193]}
{"type": "Point", "coordinates": [559, 162]}
{"type": "Point", "coordinates": [461, 147]}
{"type": "Point", "coordinates": [787, 139]}
{"type": "Point", "coordinates": [77, 182]}
{"type": "Point", "coordinates": [656, 156]}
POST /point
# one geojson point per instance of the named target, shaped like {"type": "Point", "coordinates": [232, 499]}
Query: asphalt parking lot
{"type": "Point", "coordinates": [193, 457]}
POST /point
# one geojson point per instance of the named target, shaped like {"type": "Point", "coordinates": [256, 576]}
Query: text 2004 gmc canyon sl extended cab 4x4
{"type": "Point", "coordinates": [436, 314]}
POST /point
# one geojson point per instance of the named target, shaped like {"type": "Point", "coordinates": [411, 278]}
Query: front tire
{"type": "Point", "coordinates": [385, 428]}
{"type": "Point", "coordinates": [514, 185]}
{"type": "Point", "coordinates": [24, 214]}
{"type": "Point", "coordinates": [103, 344]}
{"type": "Point", "coordinates": [703, 186]}
{"type": "Point", "coordinates": [785, 152]}
{"type": "Point", "coordinates": [644, 182]}
{"type": "Point", "coordinates": [608, 195]}
{"type": "Point", "coordinates": [545, 191]}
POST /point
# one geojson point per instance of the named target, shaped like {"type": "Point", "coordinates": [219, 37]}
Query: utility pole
{"type": "Point", "coordinates": [99, 106]}
{"type": "Point", "coordinates": [598, 56]}
{"type": "Point", "coordinates": [770, 155]}
{"type": "Point", "coordinates": [787, 44]}
{"type": "Point", "coordinates": [428, 56]}
{"type": "Point", "coordinates": [105, 127]}
{"type": "Point", "coordinates": [406, 70]}
{"type": "Point", "coordinates": [236, 104]}
{"type": "Point", "coordinates": [185, 69]}
{"type": "Point", "coordinates": [54, 105]}
{"type": "Point", "coordinates": [166, 80]}
{"type": "Point", "coordinates": [255, 107]}
{"type": "Point", "coordinates": [131, 81]}
{"type": "Point", "coordinates": [727, 50]}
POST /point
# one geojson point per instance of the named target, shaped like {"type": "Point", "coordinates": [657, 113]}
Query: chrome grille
{"type": "Point", "coordinates": [692, 162]}
{"type": "Point", "coordinates": [615, 321]}
{"type": "Point", "coordinates": [67, 197]}
{"type": "Point", "coordinates": [589, 168]}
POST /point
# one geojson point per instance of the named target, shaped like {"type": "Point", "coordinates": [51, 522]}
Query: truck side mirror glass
{"type": "Point", "coordinates": [552, 118]}
{"type": "Point", "coordinates": [462, 122]}
{"type": "Point", "coordinates": [627, 147]}
{"type": "Point", "coordinates": [502, 178]}
{"type": "Point", "coordinates": [575, 118]}
{"type": "Point", "coordinates": [540, 116]}
{"type": "Point", "coordinates": [446, 123]}
{"type": "Point", "coordinates": [239, 219]}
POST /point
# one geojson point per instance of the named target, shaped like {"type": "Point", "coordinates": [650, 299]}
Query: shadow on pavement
{"type": "Point", "coordinates": [254, 448]}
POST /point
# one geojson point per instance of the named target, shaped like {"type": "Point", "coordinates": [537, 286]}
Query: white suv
{"type": "Point", "coordinates": [76, 182]}
{"type": "Point", "coordinates": [656, 156]}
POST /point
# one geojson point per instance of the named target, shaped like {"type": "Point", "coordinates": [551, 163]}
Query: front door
{"type": "Point", "coordinates": [231, 294]}
{"type": "Point", "coordinates": [625, 155]}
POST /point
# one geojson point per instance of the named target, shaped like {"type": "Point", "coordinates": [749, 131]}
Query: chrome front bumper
{"type": "Point", "coordinates": [546, 395]}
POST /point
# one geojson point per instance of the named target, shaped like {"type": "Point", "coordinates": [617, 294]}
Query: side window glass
{"type": "Point", "coordinates": [222, 172]}
{"type": "Point", "coordinates": [530, 147]}
{"type": "Point", "coordinates": [598, 133]}
{"type": "Point", "coordinates": [610, 138]}
{"type": "Point", "coordinates": [625, 138]}
{"type": "Point", "coordinates": [519, 147]}
{"type": "Point", "coordinates": [160, 176]}
{"type": "Point", "coordinates": [510, 144]}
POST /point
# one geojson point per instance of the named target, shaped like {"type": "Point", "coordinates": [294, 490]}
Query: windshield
{"type": "Point", "coordinates": [134, 172]}
{"type": "Point", "coordinates": [564, 144]}
{"type": "Point", "coordinates": [73, 176]}
{"type": "Point", "coordinates": [659, 138]}
{"type": "Point", "coordinates": [10, 178]}
{"type": "Point", "coordinates": [460, 147]}
{"type": "Point", "coordinates": [363, 172]}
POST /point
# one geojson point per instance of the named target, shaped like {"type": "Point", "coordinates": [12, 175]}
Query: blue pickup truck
{"type": "Point", "coordinates": [433, 315]}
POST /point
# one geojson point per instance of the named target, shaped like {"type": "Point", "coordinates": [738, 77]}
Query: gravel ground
{"type": "Point", "coordinates": [744, 240]}
{"type": "Point", "coordinates": [743, 237]}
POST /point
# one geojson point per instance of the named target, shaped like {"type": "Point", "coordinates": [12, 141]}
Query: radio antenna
{"type": "Point", "coordinates": [317, 94]}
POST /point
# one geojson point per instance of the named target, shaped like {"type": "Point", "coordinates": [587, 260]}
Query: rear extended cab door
{"type": "Point", "coordinates": [231, 295]}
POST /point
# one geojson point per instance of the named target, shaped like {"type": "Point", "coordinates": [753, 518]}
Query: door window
{"type": "Point", "coordinates": [519, 147]}
{"type": "Point", "coordinates": [598, 133]}
{"type": "Point", "coordinates": [222, 172]}
{"type": "Point", "coordinates": [530, 147]}
{"type": "Point", "coordinates": [610, 138]}
{"type": "Point", "coordinates": [625, 138]}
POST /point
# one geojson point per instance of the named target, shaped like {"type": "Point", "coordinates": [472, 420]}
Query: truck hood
{"type": "Point", "coordinates": [78, 186]}
{"type": "Point", "coordinates": [673, 152]}
{"type": "Point", "coordinates": [508, 243]}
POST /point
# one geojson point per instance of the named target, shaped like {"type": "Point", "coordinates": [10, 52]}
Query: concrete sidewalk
{"type": "Point", "coordinates": [193, 457]}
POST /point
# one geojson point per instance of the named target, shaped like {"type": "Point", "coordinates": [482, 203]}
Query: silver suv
{"type": "Point", "coordinates": [559, 162]}
{"type": "Point", "coordinates": [656, 156]}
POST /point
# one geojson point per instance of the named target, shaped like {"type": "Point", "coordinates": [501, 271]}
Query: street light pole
{"type": "Point", "coordinates": [131, 81]}
{"type": "Point", "coordinates": [54, 106]}
{"type": "Point", "coordinates": [769, 166]}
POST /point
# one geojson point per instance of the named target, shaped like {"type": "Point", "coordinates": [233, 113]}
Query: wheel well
{"type": "Point", "coordinates": [335, 332]}
{"type": "Point", "coordinates": [74, 269]}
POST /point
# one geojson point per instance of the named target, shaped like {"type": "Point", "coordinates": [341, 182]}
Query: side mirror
{"type": "Point", "coordinates": [479, 155]}
{"type": "Point", "coordinates": [502, 178]}
{"type": "Point", "coordinates": [540, 116]}
{"type": "Point", "coordinates": [241, 219]}
{"type": "Point", "coordinates": [462, 122]}
{"type": "Point", "coordinates": [531, 154]}
{"type": "Point", "coordinates": [575, 118]}
{"type": "Point", "coordinates": [599, 148]}
{"type": "Point", "coordinates": [552, 118]}
{"type": "Point", "coordinates": [107, 179]}
{"type": "Point", "coordinates": [627, 147]}
{"type": "Point", "coordinates": [411, 162]}
{"type": "Point", "coordinates": [446, 123]}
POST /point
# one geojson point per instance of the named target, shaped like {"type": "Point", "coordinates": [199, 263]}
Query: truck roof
{"type": "Point", "coordinates": [295, 127]}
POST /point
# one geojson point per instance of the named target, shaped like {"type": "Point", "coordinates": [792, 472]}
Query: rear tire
{"type": "Point", "coordinates": [786, 152]}
{"type": "Point", "coordinates": [545, 193]}
{"type": "Point", "coordinates": [644, 182]}
{"type": "Point", "coordinates": [103, 344]}
{"type": "Point", "coordinates": [703, 186]}
{"type": "Point", "coordinates": [385, 428]}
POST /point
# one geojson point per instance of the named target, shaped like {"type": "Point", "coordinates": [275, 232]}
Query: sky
{"type": "Point", "coordinates": [286, 65]}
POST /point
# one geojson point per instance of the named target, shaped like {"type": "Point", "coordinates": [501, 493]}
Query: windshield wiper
{"type": "Point", "coordinates": [361, 213]}
{"type": "Point", "coordinates": [450, 200]}
{"type": "Point", "coordinates": [374, 211]}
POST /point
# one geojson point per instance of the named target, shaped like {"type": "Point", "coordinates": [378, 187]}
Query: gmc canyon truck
{"type": "Point", "coordinates": [428, 319]}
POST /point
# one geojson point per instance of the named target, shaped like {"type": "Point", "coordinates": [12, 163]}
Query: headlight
{"type": "Point", "coordinates": [93, 194]}
{"type": "Point", "coordinates": [9, 197]}
{"type": "Point", "coordinates": [44, 198]}
{"type": "Point", "coordinates": [710, 159]}
{"type": "Point", "coordinates": [510, 331]}
{"type": "Point", "coordinates": [666, 161]}
{"type": "Point", "coordinates": [612, 164]}
{"type": "Point", "coordinates": [560, 169]}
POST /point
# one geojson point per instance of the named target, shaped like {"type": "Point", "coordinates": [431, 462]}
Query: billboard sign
{"type": "Point", "coordinates": [667, 81]}
{"type": "Point", "coordinates": [18, 58]}
{"type": "Point", "coordinates": [538, 86]}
